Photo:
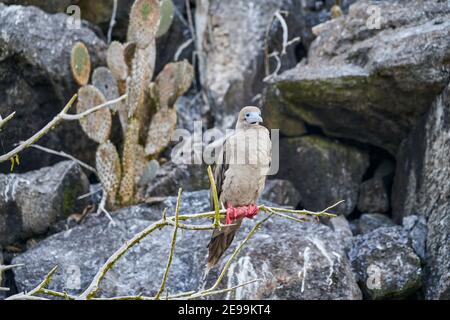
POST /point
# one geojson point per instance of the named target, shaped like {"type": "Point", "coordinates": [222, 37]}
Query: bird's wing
{"type": "Point", "coordinates": [220, 167]}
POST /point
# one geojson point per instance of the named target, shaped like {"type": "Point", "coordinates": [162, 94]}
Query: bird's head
{"type": "Point", "coordinates": [248, 117]}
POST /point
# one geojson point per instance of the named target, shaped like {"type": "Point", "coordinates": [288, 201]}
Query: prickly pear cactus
{"type": "Point", "coordinates": [109, 171]}
{"type": "Point", "coordinates": [147, 115]}
{"type": "Point", "coordinates": [80, 63]}
{"type": "Point", "coordinates": [144, 22]}
{"type": "Point", "coordinates": [97, 125]}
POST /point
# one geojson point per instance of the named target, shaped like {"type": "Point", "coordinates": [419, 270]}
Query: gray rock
{"type": "Point", "coordinates": [36, 81]}
{"type": "Point", "coordinates": [371, 221]}
{"type": "Point", "coordinates": [372, 85]}
{"type": "Point", "coordinates": [31, 202]}
{"type": "Point", "coordinates": [314, 257]}
{"type": "Point", "coordinates": [170, 177]}
{"type": "Point", "coordinates": [420, 188]}
{"type": "Point", "coordinates": [417, 231]}
{"type": "Point", "coordinates": [373, 196]}
{"type": "Point", "coordinates": [51, 6]}
{"type": "Point", "coordinates": [190, 109]}
{"type": "Point", "coordinates": [282, 192]}
{"type": "Point", "coordinates": [323, 171]}
{"type": "Point", "coordinates": [385, 263]}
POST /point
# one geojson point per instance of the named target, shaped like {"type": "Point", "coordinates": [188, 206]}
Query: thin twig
{"type": "Point", "coordinates": [180, 49]}
{"type": "Point", "coordinates": [172, 247]}
{"type": "Point", "coordinates": [64, 155]}
{"type": "Point", "coordinates": [36, 290]}
{"type": "Point", "coordinates": [215, 198]}
{"type": "Point", "coordinates": [112, 23]}
{"type": "Point", "coordinates": [56, 120]}
{"type": "Point", "coordinates": [8, 118]}
{"type": "Point", "coordinates": [102, 208]}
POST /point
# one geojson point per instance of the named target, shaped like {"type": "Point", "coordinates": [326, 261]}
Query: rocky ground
{"type": "Point", "coordinates": [363, 113]}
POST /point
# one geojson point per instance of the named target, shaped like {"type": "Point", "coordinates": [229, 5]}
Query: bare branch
{"type": "Point", "coordinates": [8, 118]}
{"type": "Point", "coordinates": [64, 155]}
{"type": "Point", "coordinates": [112, 23]}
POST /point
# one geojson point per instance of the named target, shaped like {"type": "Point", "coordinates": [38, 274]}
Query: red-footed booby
{"type": "Point", "coordinates": [240, 174]}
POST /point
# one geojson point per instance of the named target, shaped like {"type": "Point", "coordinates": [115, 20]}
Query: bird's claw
{"type": "Point", "coordinates": [240, 212]}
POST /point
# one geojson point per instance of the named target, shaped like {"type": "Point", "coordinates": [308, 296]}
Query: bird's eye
{"type": "Point", "coordinates": [247, 114]}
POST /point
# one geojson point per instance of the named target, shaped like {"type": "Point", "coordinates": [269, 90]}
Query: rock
{"type": "Point", "coordinates": [374, 193]}
{"type": "Point", "coordinates": [385, 263]}
{"type": "Point", "coordinates": [51, 6]}
{"type": "Point", "coordinates": [371, 221]}
{"type": "Point", "coordinates": [323, 171]}
{"type": "Point", "coordinates": [417, 231]}
{"type": "Point", "coordinates": [373, 196]}
{"type": "Point", "coordinates": [282, 192]}
{"type": "Point", "coordinates": [170, 177]}
{"type": "Point", "coordinates": [314, 257]}
{"type": "Point", "coordinates": [31, 202]}
{"type": "Point", "coordinates": [36, 82]}
{"type": "Point", "coordinates": [419, 189]}
{"type": "Point", "coordinates": [371, 85]}
{"type": "Point", "coordinates": [191, 109]}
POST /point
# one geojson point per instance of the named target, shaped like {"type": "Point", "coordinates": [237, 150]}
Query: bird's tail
{"type": "Point", "coordinates": [220, 241]}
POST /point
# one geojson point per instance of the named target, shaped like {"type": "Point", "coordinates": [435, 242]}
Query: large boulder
{"type": "Point", "coordinates": [293, 260]}
{"type": "Point", "coordinates": [31, 202]}
{"type": "Point", "coordinates": [386, 264]}
{"type": "Point", "coordinates": [36, 81]}
{"type": "Point", "coordinates": [371, 84]}
{"type": "Point", "coordinates": [421, 188]}
{"type": "Point", "coordinates": [324, 171]}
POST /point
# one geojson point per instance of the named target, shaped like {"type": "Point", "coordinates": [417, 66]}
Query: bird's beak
{"type": "Point", "coordinates": [254, 117]}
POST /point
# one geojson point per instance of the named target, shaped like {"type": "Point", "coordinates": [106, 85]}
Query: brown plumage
{"type": "Point", "coordinates": [240, 174]}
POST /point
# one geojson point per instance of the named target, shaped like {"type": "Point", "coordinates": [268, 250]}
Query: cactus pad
{"type": "Point", "coordinates": [97, 125]}
{"type": "Point", "coordinates": [144, 22]}
{"type": "Point", "coordinates": [107, 162]}
{"type": "Point", "coordinates": [104, 80]}
{"type": "Point", "coordinates": [167, 10]}
{"type": "Point", "coordinates": [116, 61]}
{"type": "Point", "coordinates": [173, 81]}
{"type": "Point", "coordinates": [141, 73]}
{"type": "Point", "coordinates": [161, 130]}
{"type": "Point", "coordinates": [80, 63]}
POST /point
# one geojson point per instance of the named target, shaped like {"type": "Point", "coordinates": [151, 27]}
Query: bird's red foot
{"type": "Point", "coordinates": [240, 212]}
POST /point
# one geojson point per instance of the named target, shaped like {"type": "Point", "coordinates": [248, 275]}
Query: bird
{"type": "Point", "coordinates": [240, 173]}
